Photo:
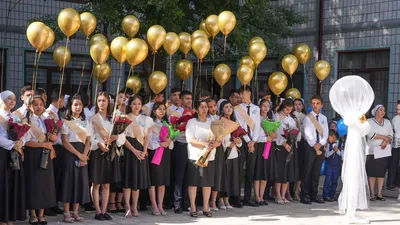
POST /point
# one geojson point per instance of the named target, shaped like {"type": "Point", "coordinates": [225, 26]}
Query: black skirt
{"type": "Point", "coordinates": [137, 172]}
{"type": "Point", "coordinates": [74, 185]}
{"type": "Point", "coordinates": [40, 186]}
{"type": "Point", "coordinates": [200, 176]}
{"type": "Point", "coordinates": [376, 167]}
{"type": "Point", "coordinates": [286, 171]}
{"type": "Point", "coordinates": [261, 164]}
{"type": "Point", "coordinates": [57, 168]}
{"type": "Point", "coordinates": [12, 190]}
{"type": "Point", "coordinates": [231, 177]}
{"type": "Point", "coordinates": [301, 157]}
{"type": "Point", "coordinates": [102, 170]}
{"type": "Point", "coordinates": [219, 162]}
{"type": "Point", "coordinates": [160, 174]}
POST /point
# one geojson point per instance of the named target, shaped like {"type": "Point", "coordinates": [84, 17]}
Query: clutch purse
{"type": "Point", "coordinates": [15, 160]}
{"type": "Point", "coordinates": [44, 160]}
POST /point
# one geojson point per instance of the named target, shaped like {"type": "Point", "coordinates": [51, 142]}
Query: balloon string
{"type": "Point", "coordinates": [154, 60]}
{"type": "Point", "coordinates": [83, 64]}
{"type": "Point", "coordinates": [256, 83]}
{"type": "Point", "coordinates": [183, 85]}
{"type": "Point", "coordinates": [95, 92]}
{"type": "Point", "coordinates": [34, 68]}
{"type": "Point", "coordinates": [90, 79]}
{"type": "Point", "coordinates": [304, 80]}
{"type": "Point", "coordinates": [221, 94]}
{"type": "Point", "coordinates": [115, 105]}
{"type": "Point", "coordinates": [197, 78]}
{"type": "Point", "coordinates": [291, 78]}
{"type": "Point", "coordinates": [36, 71]}
{"type": "Point", "coordinates": [213, 67]}
{"type": "Point", "coordinates": [126, 83]}
{"type": "Point", "coordinates": [170, 74]}
{"type": "Point", "coordinates": [63, 69]}
{"type": "Point", "coordinates": [225, 47]}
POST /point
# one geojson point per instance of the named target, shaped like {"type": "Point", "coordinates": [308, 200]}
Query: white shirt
{"type": "Point", "coordinates": [213, 117]}
{"type": "Point", "coordinates": [155, 140]}
{"type": "Point", "coordinates": [47, 115]}
{"type": "Point", "coordinates": [377, 129]}
{"type": "Point", "coordinates": [226, 142]}
{"type": "Point", "coordinates": [97, 138]}
{"type": "Point", "coordinates": [396, 128]}
{"type": "Point", "coordinates": [285, 120]}
{"type": "Point", "coordinates": [23, 110]}
{"type": "Point", "coordinates": [262, 137]}
{"type": "Point", "coordinates": [329, 152]}
{"type": "Point", "coordinates": [4, 141]}
{"type": "Point", "coordinates": [174, 108]}
{"type": "Point", "coordinates": [88, 113]}
{"type": "Point", "coordinates": [310, 132]}
{"type": "Point", "coordinates": [201, 132]}
{"type": "Point", "coordinates": [40, 122]}
{"type": "Point", "coordinates": [72, 137]}
{"type": "Point", "coordinates": [255, 116]}
{"type": "Point", "coordinates": [300, 118]}
{"type": "Point", "coordinates": [144, 123]}
{"type": "Point", "coordinates": [147, 108]}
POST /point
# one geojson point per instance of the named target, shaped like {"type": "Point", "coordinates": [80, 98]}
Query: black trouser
{"type": "Point", "coordinates": [250, 166]}
{"type": "Point", "coordinates": [394, 167]}
{"type": "Point", "coordinates": [312, 170]}
{"type": "Point", "coordinates": [179, 162]}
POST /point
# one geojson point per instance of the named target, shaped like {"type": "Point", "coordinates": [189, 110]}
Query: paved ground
{"type": "Point", "coordinates": [386, 213]}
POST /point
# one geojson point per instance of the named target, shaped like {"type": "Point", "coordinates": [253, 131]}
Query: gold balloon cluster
{"type": "Point", "coordinates": [40, 36]}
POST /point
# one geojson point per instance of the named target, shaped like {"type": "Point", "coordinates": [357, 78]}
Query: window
{"type": "Point", "coordinates": [49, 74]}
{"type": "Point", "coordinates": [3, 68]}
{"type": "Point", "coordinates": [372, 65]}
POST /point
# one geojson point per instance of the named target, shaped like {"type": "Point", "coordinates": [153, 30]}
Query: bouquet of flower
{"type": "Point", "coordinates": [52, 126]}
{"type": "Point", "coordinates": [160, 150]}
{"type": "Point", "coordinates": [180, 123]}
{"type": "Point", "coordinates": [290, 134]}
{"type": "Point", "coordinates": [269, 126]}
{"type": "Point", "coordinates": [238, 133]}
{"type": "Point", "coordinates": [15, 132]}
{"type": "Point", "coordinates": [121, 122]}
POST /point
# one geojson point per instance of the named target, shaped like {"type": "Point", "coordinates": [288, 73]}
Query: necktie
{"type": "Point", "coordinates": [316, 131]}
{"type": "Point", "coordinates": [41, 125]}
{"type": "Point", "coordinates": [248, 128]}
{"type": "Point", "coordinates": [59, 115]}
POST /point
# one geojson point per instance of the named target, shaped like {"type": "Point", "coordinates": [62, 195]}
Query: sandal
{"type": "Point", "coordinates": [121, 208]}
{"type": "Point", "coordinates": [33, 220]}
{"type": "Point", "coordinates": [380, 198]}
{"type": "Point", "coordinates": [194, 214]}
{"type": "Point", "coordinates": [286, 201]}
{"type": "Point", "coordinates": [76, 217]}
{"type": "Point", "coordinates": [112, 210]}
{"type": "Point", "coordinates": [68, 218]}
{"type": "Point", "coordinates": [128, 214]}
{"type": "Point", "coordinates": [154, 212]}
{"type": "Point", "coordinates": [372, 199]}
{"type": "Point", "coordinates": [279, 201]}
{"type": "Point", "coordinates": [221, 205]}
{"type": "Point", "coordinates": [42, 220]}
{"type": "Point", "coordinates": [207, 214]}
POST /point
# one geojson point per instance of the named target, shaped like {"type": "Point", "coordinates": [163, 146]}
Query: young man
{"type": "Point", "coordinates": [26, 93]}
{"type": "Point", "coordinates": [179, 160]}
{"type": "Point", "coordinates": [316, 134]}
{"type": "Point", "coordinates": [42, 92]}
{"type": "Point", "coordinates": [148, 107]}
{"type": "Point", "coordinates": [175, 102]}
{"type": "Point", "coordinates": [234, 97]}
{"type": "Point", "coordinates": [248, 117]}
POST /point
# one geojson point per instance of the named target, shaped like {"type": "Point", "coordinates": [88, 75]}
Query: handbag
{"type": "Point", "coordinates": [44, 160]}
{"type": "Point", "coordinates": [15, 160]}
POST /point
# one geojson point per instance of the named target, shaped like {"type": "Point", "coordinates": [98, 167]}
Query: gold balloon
{"type": "Point", "coordinates": [201, 47]}
{"type": "Point", "coordinates": [247, 60]}
{"type": "Point", "coordinates": [302, 52]}
{"type": "Point", "coordinates": [255, 40]}
{"type": "Point", "coordinates": [172, 43]}
{"type": "Point", "coordinates": [204, 28]}
{"type": "Point", "coordinates": [37, 34]}
{"type": "Point", "coordinates": [136, 51]}
{"type": "Point", "coordinates": [277, 82]}
{"type": "Point", "coordinates": [88, 23]}
{"type": "Point", "coordinates": [100, 52]}
{"type": "Point", "coordinates": [156, 37]}
{"type": "Point", "coordinates": [134, 83]}
{"type": "Point", "coordinates": [130, 25]}
{"type": "Point", "coordinates": [322, 69]}
{"type": "Point", "coordinates": [199, 33]}
{"type": "Point", "coordinates": [258, 52]}
{"type": "Point", "coordinates": [118, 49]}
{"type": "Point", "coordinates": [245, 74]}
{"type": "Point", "coordinates": [290, 64]}
{"type": "Point", "coordinates": [294, 93]}
{"type": "Point", "coordinates": [50, 39]}
{"type": "Point", "coordinates": [222, 74]}
{"type": "Point", "coordinates": [157, 81]}
{"type": "Point", "coordinates": [98, 37]}
{"type": "Point", "coordinates": [212, 25]}
{"type": "Point", "coordinates": [69, 21]}
{"type": "Point", "coordinates": [226, 22]}
{"type": "Point", "coordinates": [61, 56]}
{"type": "Point", "coordinates": [102, 72]}
{"type": "Point", "coordinates": [186, 42]}
{"type": "Point", "coordinates": [184, 69]}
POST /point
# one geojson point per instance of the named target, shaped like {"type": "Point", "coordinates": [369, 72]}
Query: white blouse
{"type": "Point", "coordinates": [226, 142]}
{"type": "Point", "coordinates": [4, 141]}
{"type": "Point", "coordinates": [144, 123]}
{"type": "Point", "coordinates": [285, 120]}
{"type": "Point", "coordinates": [39, 120]}
{"type": "Point", "coordinates": [155, 140]}
{"type": "Point", "coordinates": [200, 131]}
{"type": "Point", "coordinates": [377, 129]}
{"type": "Point", "coordinates": [300, 117]}
{"type": "Point", "coordinates": [72, 137]}
{"type": "Point", "coordinates": [96, 137]}
{"type": "Point", "coordinates": [396, 128]}
{"type": "Point", "coordinates": [262, 138]}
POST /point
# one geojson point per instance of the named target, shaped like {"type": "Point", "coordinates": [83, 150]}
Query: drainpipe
{"type": "Point", "coordinates": [320, 33]}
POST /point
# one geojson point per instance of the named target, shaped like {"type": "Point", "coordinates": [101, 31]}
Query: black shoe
{"type": "Point", "coordinates": [99, 217]}
{"type": "Point", "coordinates": [250, 203]}
{"type": "Point", "coordinates": [107, 217]}
{"type": "Point", "coordinates": [305, 201]}
{"type": "Point", "coordinates": [317, 200]}
{"type": "Point", "coordinates": [194, 214]}
{"type": "Point", "coordinates": [264, 203]}
{"type": "Point", "coordinates": [143, 208]}
{"type": "Point", "coordinates": [57, 210]}
{"type": "Point", "coordinates": [328, 199]}
{"type": "Point", "coordinates": [89, 208]}
{"type": "Point", "coordinates": [380, 198]}
{"type": "Point", "coordinates": [178, 210]}
{"type": "Point", "coordinates": [49, 212]}
{"type": "Point", "coordinates": [207, 214]}
{"type": "Point", "coordinates": [238, 205]}
{"type": "Point", "coordinates": [185, 208]}
{"type": "Point", "coordinates": [391, 188]}
{"type": "Point", "coordinates": [269, 198]}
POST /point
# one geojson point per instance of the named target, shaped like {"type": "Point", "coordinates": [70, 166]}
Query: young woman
{"type": "Point", "coordinates": [261, 164]}
{"type": "Point", "coordinates": [136, 174]}
{"type": "Point", "coordinates": [12, 184]}
{"type": "Point", "coordinates": [198, 136]}
{"type": "Point", "coordinates": [75, 135]}
{"type": "Point", "coordinates": [159, 174]}
{"type": "Point", "coordinates": [394, 171]}
{"type": "Point", "coordinates": [299, 113]}
{"type": "Point", "coordinates": [286, 168]}
{"type": "Point", "coordinates": [103, 171]}
{"type": "Point", "coordinates": [230, 178]}
{"type": "Point", "coordinates": [41, 193]}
